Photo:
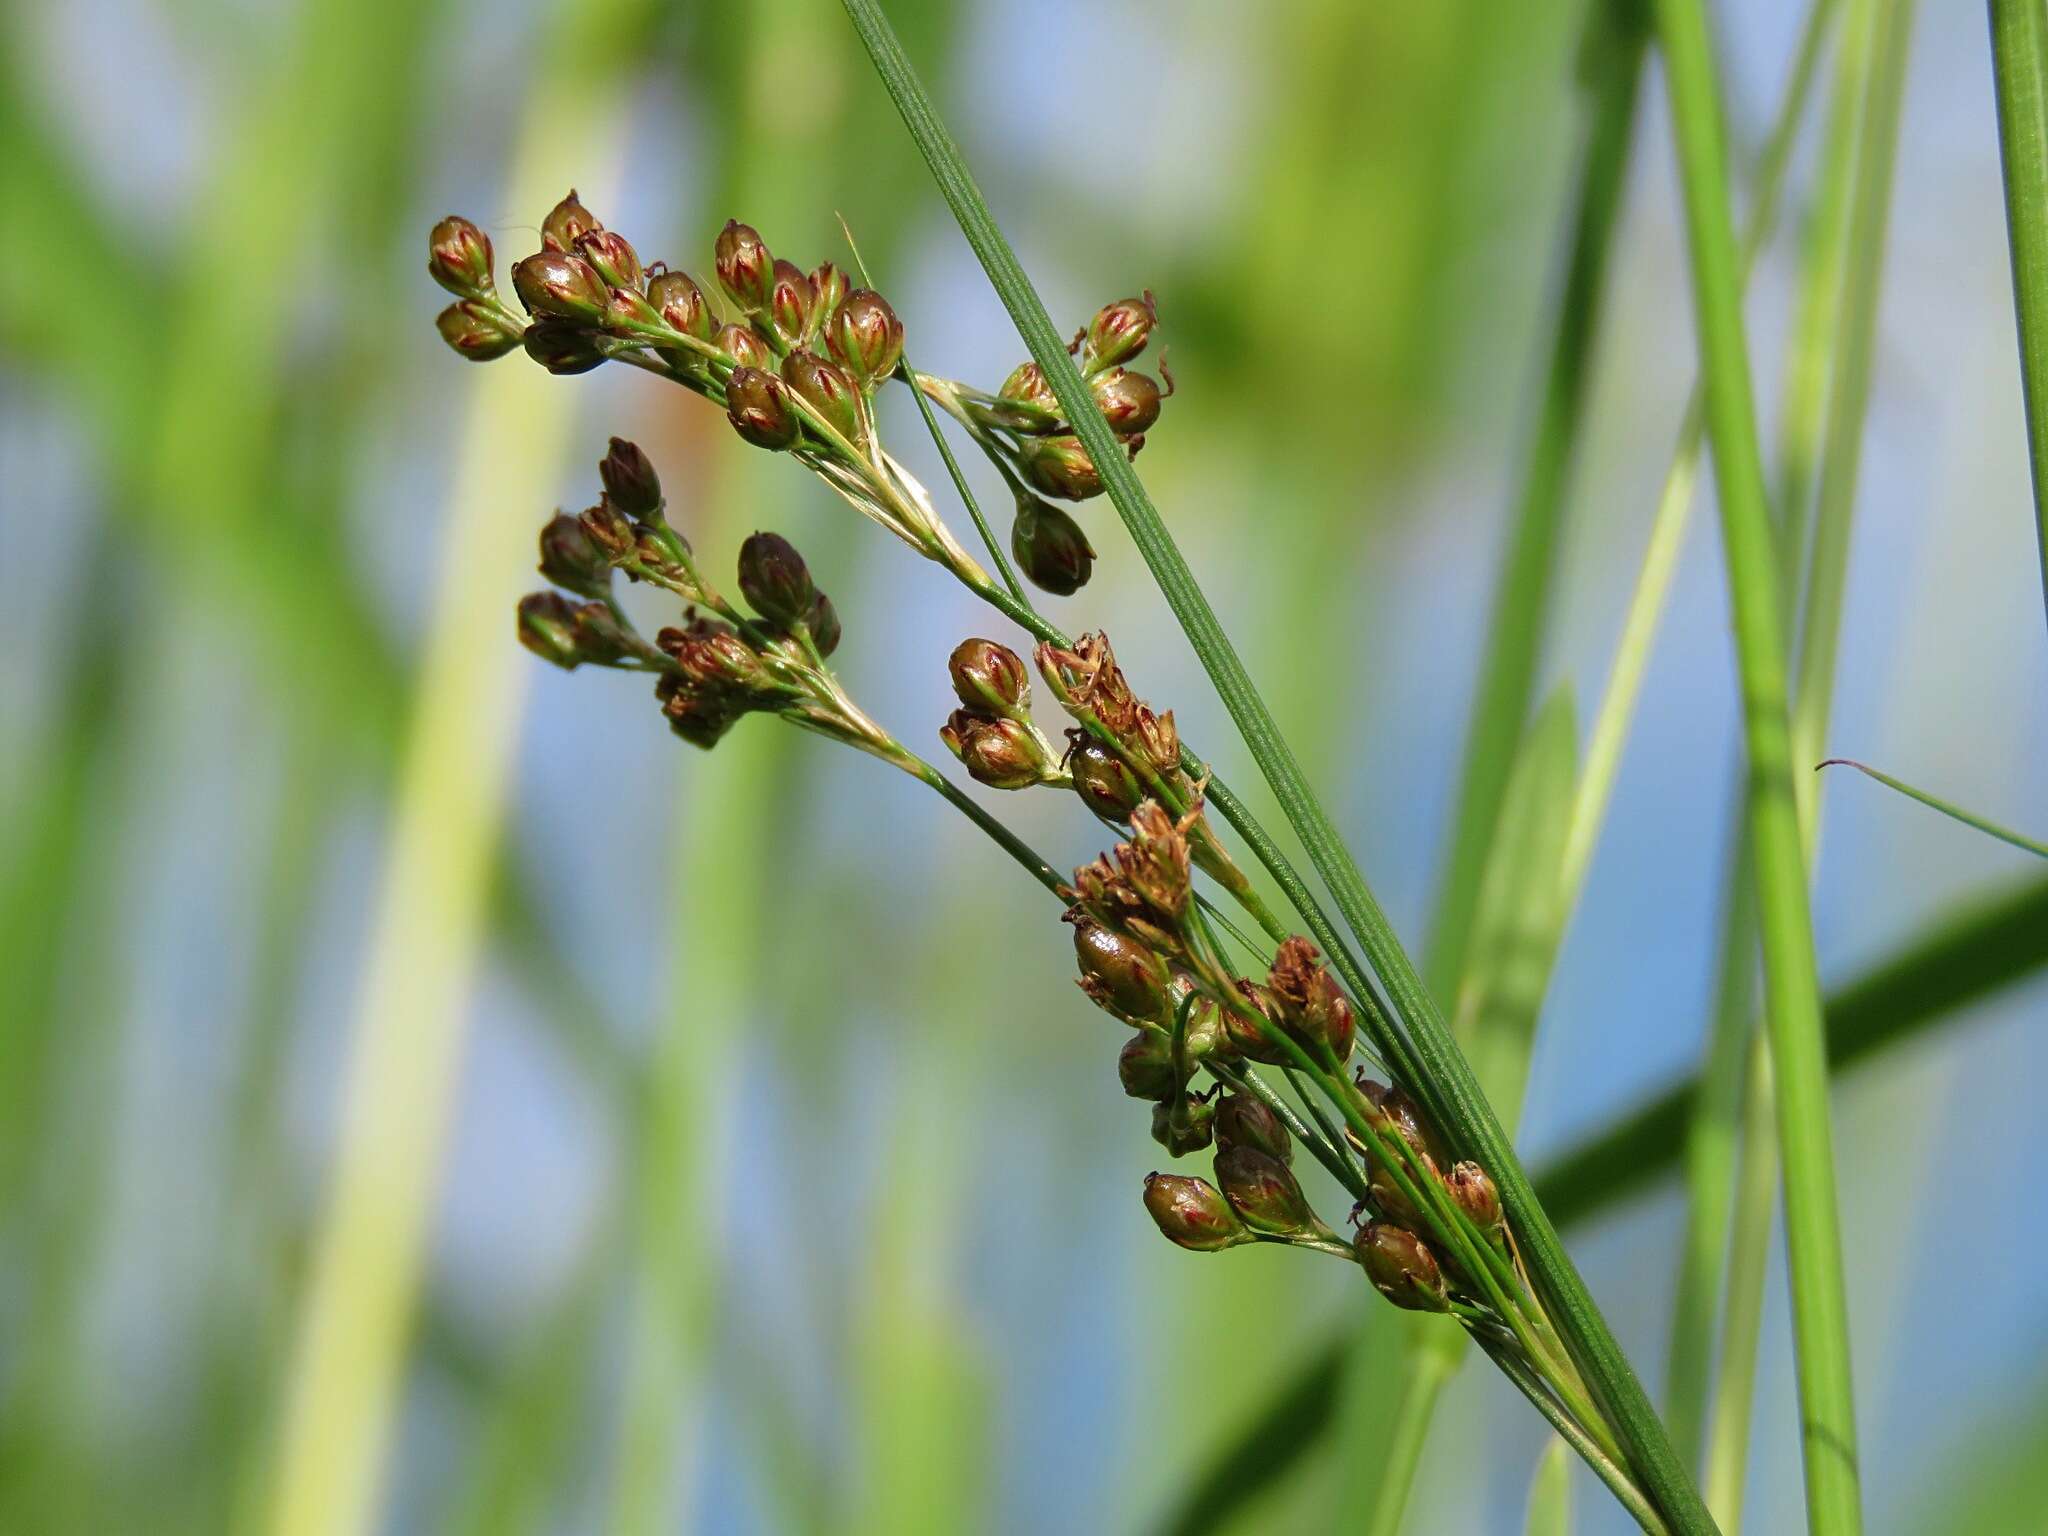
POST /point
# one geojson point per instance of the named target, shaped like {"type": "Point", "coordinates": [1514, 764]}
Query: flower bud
{"type": "Point", "coordinates": [1059, 466]}
{"type": "Point", "coordinates": [1118, 973]}
{"type": "Point", "coordinates": [1264, 1193]}
{"type": "Point", "coordinates": [547, 627]}
{"type": "Point", "coordinates": [745, 348]}
{"type": "Point", "coordinates": [989, 676]}
{"type": "Point", "coordinates": [1401, 1267]}
{"type": "Point", "coordinates": [459, 258]}
{"type": "Point", "coordinates": [1145, 1066]}
{"type": "Point", "coordinates": [1103, 780]}
{"type": "Point", "coordinates": [996, 751]}
{"type": "Point", "coordinates": [610, 531]}
{"type": "Point", "coordinates": [629, 479]}
{"type": "Point", "coordinates": [1183, 1128]}
{"type": "Point", "coordinates": [826, 390]}
{"type": "Point", "coordinates": [681, 304]}
{"type": "Point", "coordinates": [475, 331]}
{"type": "Point", "coordinates": [1118, 333]}
{"type": "Point", "coordinates": [775, 580]}
{"type": "Point", "coordinates": [563, 348]}
{"type": "Point", "coordinates": [823, 623]}
{"type": "Point", "coordinates": [567, 222]}
{"type": "Point", "coordinates": [1051, 549]}
{"type": "Point", "coordinates": [828, 292]}
{"type": "Point", "coordinates": [759, 410]}
{"type": "Point", "coordinates": [1243, 1121]}
{"type": "Point", "coordinates": [564, 286]}
{"type": "Point", "coordinates": [1193, 1213]}
{"type": "Point", "coordinates": [866, 337]}
{"type": "Point", "coordinates": [1129, 401]}
{"type": "Point", "coordinates": [1039, 406]}
{"type": "Point", "coordinates": [1476, 1195]}
{"type": "Point", "coordinates": [746, 270]}
{"type": "Point", "coordinates": [570, 559]}
{"type": "Point", "coordinates": [789, 303]}
{"type": "Point", "coordinates": [612, 255]}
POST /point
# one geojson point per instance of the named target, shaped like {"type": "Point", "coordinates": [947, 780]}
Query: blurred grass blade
{"type": "Point", "coordinates": [1454, 1091]}
{"type": "Point", "coordinates": [1550, 1493]}
{"type": "Point", "coordinates": [1791, 975]}
{"type": "Point", "coordinates": [1754, 1207]}
{"type": "Point", "coordinates": [2019, 59]}
{"type": "Point", "coordinates": [1972, 951]}
{"type": "Point", "coordinates": [1955, 812]}
{"type": "Point", "coordinates": [412, 1006]}
{"type": "Point", "coordinates": [1611, 51]}
{"type": "Point", "coordinates": [1274, 1441]}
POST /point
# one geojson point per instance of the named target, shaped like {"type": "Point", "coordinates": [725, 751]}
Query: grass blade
{"type": "Point", "coordinates": [1955, 812]}
{"type": "Point", "coordinates": [1614, 45]}
{"type": "Point", "coordinates": [1550, 1494]}
{"type": "Point", "coordinates": [1462, 1107]}
{"type": "Point", "coordinates": [1791, 974]}
{"type": "Point", "coordinates": [2019, 58]}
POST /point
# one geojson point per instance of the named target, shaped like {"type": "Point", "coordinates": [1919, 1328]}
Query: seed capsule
{"type": "Point", "coordinates": [547, 627]}
{"type": "Point", "coordinates": [744, 347]}
{"type": "Point", "coordinates": [1118, 333]}
{"type": "Point", "coordinates": [1476, 1196]}
{"type": "Point", "coordinates": [570, 560]}
{"type": "Point", "coordinates": [823, 623]}
{"type": "Point", "coordinates": [562, 347]}
{"type": "Point", "coordinates": [1264, 1193]}
{"type": "Point", "coordinates": [759, 410]}
{"type": "Point", "coordinates": [775, 580]}
{"type": "Point", "coordinates": [1243, 1121]}
{"type": "Point", "coordinates": [565, 287]}
{"type": "Point", "coordinates": [475, 332]}
{"type": "Point", "coordinates": [1193, 1213]}
{"type": "Point", "coordinates": [459, 258]}
{"type": "Point", "coordinates": [1129, 401]}
{"type": "Point", "coordinates": [612, 255]}
{"type": "Point", "coordinates": [866, 337]}
{"type": "Point", "coordinates": [1189, 1128]}
{"type": "Point", "coordinates": [681, 304]}
{"type": "Point", "coordinates": [989, 676]}
{"type": "Point", "coordinates": [567, 222]}
{"type": "Point", "coordinates": [746, 269]}
{"type": "Point", "coordinates": [1247, 1038]}
{"type": "Point", "coordinates": [1051, 549]}
{"type": "Point", "coordinates": [789, 303]}
{"type": "Point", "coordinates": [1060, 466]}
{"type": "Point", "coordinates": [1401, 1267]}
{"type": "Point", "coordinates": [1103, 780]}
{"type": "Point", "coordinates": [827, 390]}
{"type": "Point", "coordinates": [629, 479]}
{"type": "Point", "coordinates": [1145, 1066]}
{"type": "Point", "coordinates": [996, 751]}
{"type": "Point", "coordinates": [1026, 388]}
{"type": "Point", "coordinates": [1118, 973]}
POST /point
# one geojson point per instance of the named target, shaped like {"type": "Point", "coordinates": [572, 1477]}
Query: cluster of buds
{"type": "Point", "coordinates": [1255, 1196]}
{"type": "Point", "coordinates": [991, 732]}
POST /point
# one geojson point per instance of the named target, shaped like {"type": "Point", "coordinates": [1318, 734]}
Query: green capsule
{"type": "Point", "coordinates": [758, 408]}
{"type": "Point", "coordinates": [612, 255]}
{"type": "Point", "coordinates": [1193, 1213]}
{"type": "Point", "coordinates": [1051, 549]}
{"type": "Point", "coordinates": [1059, 466]}
{"type": "Point", "coordinates": [1243, 1121]}
{"type": "Point", "coordinates": [1145, 1066]}
{"type": "Point", "coordinates": [1263, 1192]}
{"type": "Point", "coordinates": [547, 627]}
{"type": "Point", "coordinates": [561, 286]}
{"type": "Point", "coordinates": [567, 222]}
{"type": "Point", "coordinates": [629, 479]}
{"type": "Point", "coordinates": [475, 331]}
{"type": "Point", "coordinates": [680, 302]}
{"type": "Point", "coordinates": [1103, 780]}
{"type": "Point", "coordinates": [989, 676]}
{"type": "Point", "coordinates": [996, 751]}
{"type": "Point", "coordinates": [459, 258]}
{"type": "Point", "coordinates": [570, 559]}
{"type": "Point", "coordinates": [745, 266]}
{"type": "Point", "coordinates": [563, 348]}
{"type": "Point", "coordinates": [775, 580]}
{"type": "Point", "coordinates": [1401, 1267]}
{"type": "Point", "coordinates": [1187, 1127]}
{"type": "Point", "coordinates": [865, 337]}
{"type": "Point", "coordinates": [826, 390]}
{"type": "Point", "coordinates": [1129, 401]}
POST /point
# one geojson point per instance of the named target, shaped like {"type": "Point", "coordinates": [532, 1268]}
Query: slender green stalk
{"type": "Point", "coordinates": [1550, 1493]}
{"type": "Point", "coordinates": [1742, 1320]}
{"type": "Point", "coordinates": [1522, 600]}
{"type": "Point", "coordinates": [1956, 812]}
{"type": "Point", "coordinates": [1446, 1076]}
{"type": "Point", "coordinates": [1792, 978]}
{"type": "Point", "coordinates": [2019, 59]}
{"type": "Point", "coordinates": [1428, 1363]}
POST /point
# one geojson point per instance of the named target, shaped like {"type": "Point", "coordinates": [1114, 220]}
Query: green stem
{"type": "Point", "coordinates": [1749, 1252]}
{"type": "Point", "coordinates": [1446, 1081]}
{"type": "Point", "coordinates": [1427, 1365]}
{"type": "Point", "coordinates": [2019, 58]}
{"type": "Point", "coordinates": [1521, 603]}
{"type": "Point", "coordinates": [1954, 812]}
{"type": "Point", "coordinates": [1792, 980]}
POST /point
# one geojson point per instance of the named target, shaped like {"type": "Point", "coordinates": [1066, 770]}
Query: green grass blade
{"type": "Point", "coordinates": [2019, 58]}
{"type": "Point", "coordinates": [1454, 1091]}
{"type": "Point", "coordinates": [1550, 1493]}
{"type": "Point", "coordinates": [1754, 1207]}
{"type": "Point", "coordinates": [1614, 46]}
{"type": "Point", "coordinates": [1792, 980]}
{"type": "Point", "coordinates": [1935, 802]}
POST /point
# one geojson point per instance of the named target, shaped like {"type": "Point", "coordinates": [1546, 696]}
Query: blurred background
{"type": "Point", "coordinates": [771, 1174]}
